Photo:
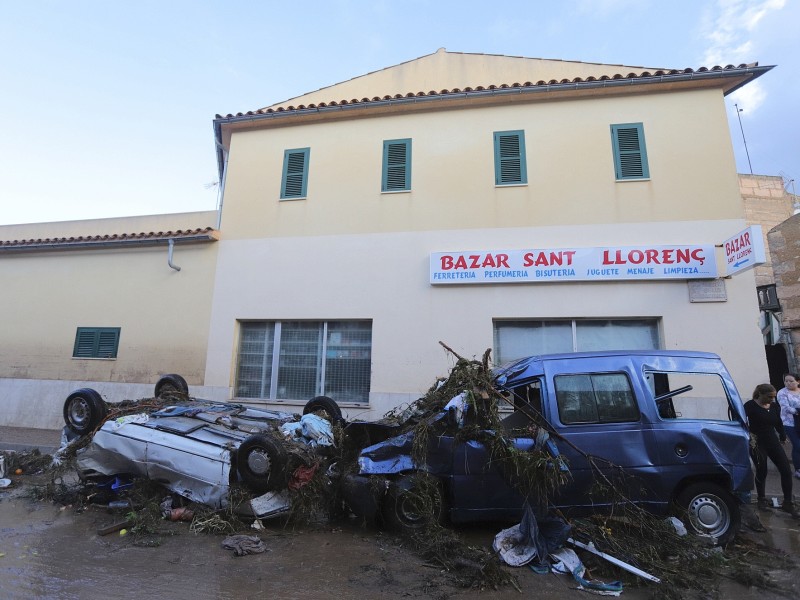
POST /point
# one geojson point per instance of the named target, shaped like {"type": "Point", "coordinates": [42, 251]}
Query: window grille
{"type": "Point", "coordinates": [297, 360]}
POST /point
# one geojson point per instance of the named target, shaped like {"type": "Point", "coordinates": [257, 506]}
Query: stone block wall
{"type": "Point", "coordinates": [784, 243]}
{"type": "Point", "coordinates": [766, 203]}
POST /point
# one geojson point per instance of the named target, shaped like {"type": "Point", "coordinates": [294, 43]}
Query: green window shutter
{"type": "Point", "coordinates": [107, 340]}
{"type": "Point", "coordinates": [84, 343]}
{"type": "Point", "coordinates": [396, 175]}
{"type": "Point", "coordinates": [294, 179]}
{"type": "Point", "coordinates": [630, 153]}
{"type": "Point", "coordinates": [509, 158]}
{"type": "Point", "coordinates": [96, 342]}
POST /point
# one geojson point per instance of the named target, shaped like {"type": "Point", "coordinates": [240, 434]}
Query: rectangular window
{"type": "Point", "coordinates": [630, 154]}
{"type": "Point", "coordinates": [509, 158]}
{"type": "Point", "coordinates": [595, 398]}
{"type": "Point", "coordinates": [297, 360]}
{"type": "Point", "coordinates": [518, 339]}
{"type": "Point", "coordinates": [294, 180]}
{"type": "Point", "coordinates": [690, 396]}
{"type": "Point", "coordinates": [96, 342]}
{"type": "Point", "coordinates": [396, 174]}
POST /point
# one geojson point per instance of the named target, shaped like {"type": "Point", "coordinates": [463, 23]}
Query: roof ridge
{"type": "Point", "coordinates": [565, 60]}
{"type": "Point", "coordinates": [480, 88]}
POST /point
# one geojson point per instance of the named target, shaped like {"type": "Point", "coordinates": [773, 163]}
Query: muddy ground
{"type": "Point", "coordinates": [53, 551]}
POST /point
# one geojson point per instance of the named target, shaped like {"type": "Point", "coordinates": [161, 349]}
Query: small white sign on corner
{"type": "Point", "coordinates": [744, 250]}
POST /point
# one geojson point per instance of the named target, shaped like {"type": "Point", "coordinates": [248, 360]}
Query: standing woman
{"type": "Point", "coordinates": [764, 418]}
{"type": "Point", "coordinates": [789, 399]}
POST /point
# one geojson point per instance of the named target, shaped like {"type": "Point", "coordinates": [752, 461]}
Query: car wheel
{"type": "Point", "coordinates": [262, 463]}
{"type": "Point", "coordinates": [710, 510]}
{"type": "Point", "coordinates": [84, 410]}
{"type": "Point", "coordinates": [413, 503]}
{"type": "Point", "coordinates": [326, 405]}
{"type": "Point", "coordinates": [171, 384]}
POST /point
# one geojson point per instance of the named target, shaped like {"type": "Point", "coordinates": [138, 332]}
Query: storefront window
{"type": "Point", "coordinates": [297, 360]}
{"type": "Point", "coordinates": [518, 339]}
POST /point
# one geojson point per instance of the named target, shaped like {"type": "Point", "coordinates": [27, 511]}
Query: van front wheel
{"type": "Point", "coordinates": [413, 502]}
{"type": "Point", "coordinates": [711, 511]}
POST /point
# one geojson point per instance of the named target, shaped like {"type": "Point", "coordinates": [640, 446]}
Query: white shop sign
{"type": "Point", "coordinates": [604, 263]}
{"type": "Point", "coordinates": [745, 250]}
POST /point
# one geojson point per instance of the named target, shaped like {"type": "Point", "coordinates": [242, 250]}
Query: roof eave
{"type": "Point", "coordinates": [105, 242]}
{"type": "Point", "coordinates": [729, 79]}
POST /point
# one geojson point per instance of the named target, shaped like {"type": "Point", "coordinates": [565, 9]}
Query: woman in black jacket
{"type": "Point", "coordinates": [764, 417]}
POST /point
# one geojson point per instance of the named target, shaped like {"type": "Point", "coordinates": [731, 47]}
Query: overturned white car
{"type": "Point", "coordinates": [198, 448]}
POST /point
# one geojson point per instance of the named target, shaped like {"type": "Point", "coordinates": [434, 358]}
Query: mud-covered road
{"type": "Point", "coordinates": [52, 552]}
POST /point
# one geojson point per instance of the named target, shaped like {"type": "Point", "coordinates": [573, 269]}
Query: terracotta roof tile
{"type": "Point", "coordinates": [480, 88]}
{"type": "Point", "coordinates": [207, 234]}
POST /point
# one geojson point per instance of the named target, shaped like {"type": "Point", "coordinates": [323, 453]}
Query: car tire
{"type": "Point", "coordinates": [84, 410]}
{"type": "Point", "coordinates": [171, 383]}
{"type": "Point", "coordinates": [262, 463]}
{"type": "Point", "coordinates": [327, 405]}
{"type": "Point", "coordinates": [710, 510]}
{"type": "Point", "coordinates": [413, 503]}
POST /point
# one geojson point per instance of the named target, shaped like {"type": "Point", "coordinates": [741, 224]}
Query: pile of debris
{"type": "Point", "coordinates": [626, 546]}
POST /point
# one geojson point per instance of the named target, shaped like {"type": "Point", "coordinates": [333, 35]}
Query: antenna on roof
{"type": "Point", "coordinates": [787, 181]}
{"type": "Point", "coordinates": [738, 111]}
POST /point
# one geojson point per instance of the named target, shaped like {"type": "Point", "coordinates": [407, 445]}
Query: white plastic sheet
{"type": "Point", "coordinates": [310, 429]}
{"type": "Point", "coordinates": [514, 547]}
{"type": "Point", "coordinates": [122, 421]}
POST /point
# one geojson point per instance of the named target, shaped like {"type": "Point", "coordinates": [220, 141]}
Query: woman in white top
{"type": "Point", "coordinates": [789, 399]}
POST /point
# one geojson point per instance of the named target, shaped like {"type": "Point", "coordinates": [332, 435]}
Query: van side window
{"type": "Point", "coordinates": [595, 398]}
{"type": "Point", "coordinates": [689, 395]}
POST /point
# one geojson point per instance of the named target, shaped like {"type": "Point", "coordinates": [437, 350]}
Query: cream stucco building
{"type": "Point", "coordinates": [107, 283]}
{"type": "Point", "coordinates": [483, 201]}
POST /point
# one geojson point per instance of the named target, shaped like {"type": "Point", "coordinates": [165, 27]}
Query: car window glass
{"type": "Point", "coordinates": [689, 395]}
{"type": "Point", "coordinates": [595, 398]}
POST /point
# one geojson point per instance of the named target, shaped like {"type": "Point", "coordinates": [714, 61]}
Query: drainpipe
{"type": "Point", "coordinates": [169, 254]}
{"type": "Point", "coordinates": [221, 188]}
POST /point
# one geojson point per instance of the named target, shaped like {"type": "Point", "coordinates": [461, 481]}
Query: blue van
{"type": "Point", "coordinates": [671, 422]}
